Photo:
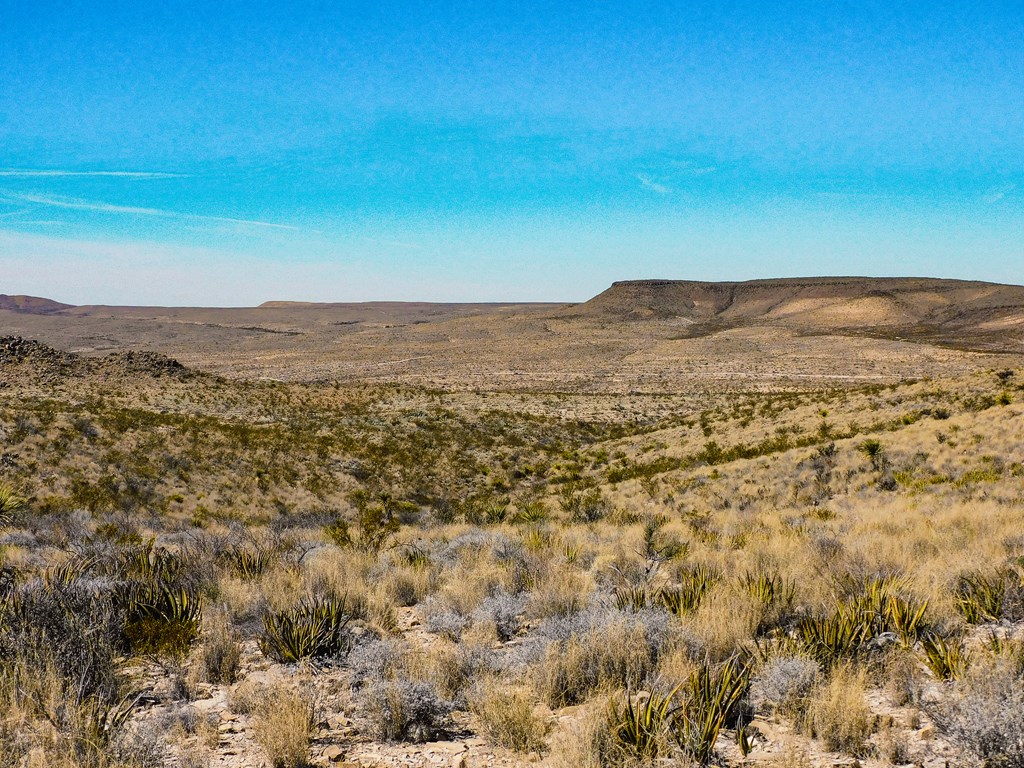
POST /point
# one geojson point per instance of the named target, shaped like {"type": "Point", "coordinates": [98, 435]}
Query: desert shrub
{"type": "Point", "coordinates": [724, 624]}
{"type": "Point", "coordinates": [838, 713]}
{"type": "Point", "coordinates": [449, 666]}
{"type": "Point", "coordinates": [1013, 593]}
{"type": "Point", "coordinates": [791, 757]}
{"type": "Point", "coordinates": [374, 527]}
{"type": "Point", "coordinates": [893, 746]}
{"type": "Point", "coordinates": [405, 710]}
{"type": "Point", "coordinates": [507, 718]}
{"type": "Point", "coordinates": [440, 619]}
{"type": "Point", "coordinates": [984, 714]}
{"type": "Point", "coordinates": [903, 677]}
{"type": "Point", "coordinates": [375, 659]}
{"type": "Point", "coordinates": [408, 584]}
{"type": "Point", "coordinates": [72, 624]}
{"type": "Point", "coordinates": [46, 712]}
{"type": "Point", "coordinates": [561, 592]}
{"type": "Point", "coordinates": [582, 505]}
{"type": "Point", "coordinates": [783, 684]}
{"type": "Point", "coordinates": [586, 742]}
{"type": "Point", "coordinates": [314, 629]}
{"type": "Point", "coordinates": [221, 652]}
{"type": "Point", "coordinates": [283, 725]}
{"type": "Point", "coordinates": [601, 647]}
{"type": "Point", "coordinates": [505, 612]}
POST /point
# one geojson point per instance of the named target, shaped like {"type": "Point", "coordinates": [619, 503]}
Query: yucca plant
{"type": "Point", "coordinates": [148, 563]}
{"type": "Point", "coordinates": [839, 636]}
{"type": "Point", "coordinates": [410, 554]}
{"type": "Point", "coordinates": [633, 598]}
{"type": "Point", "coordinates": [10, 503]}
{"type": "Point", "coordinates": [161, 620]}
{"type": "Point", "coordinates": [312, 630]}
{"type": "Point", "coordinates": [687, 596]}
{"type": "Point", "coordinates": [905, 618]}
{"type": "Point", "coordinates": [712, 697]}
{"type": "Point", "coordinates": [248, 563]}
{"type": "Point", "coordinates": [770, 589]}
{"type": "Point", "coordinates": [980, 597]}
{"type": "Point", "coordinates": [536, 538]}
{"type": "Point", "coordinates": [571, 553]}
{"type": "Point", "coordinates": [946, 659]}
{"type": "Point", "coordinates": [874, 451]}
{"type": "Point", "coordinates": [775, 595]}
{"type": "Point", "coordinates": [638, 728]}
{"type": "Point", "coordinates": [71, 570]}
{"type": "Point", "coordinates": [886, 606]}
{"type": "Point", "coordinates": [530, 512]}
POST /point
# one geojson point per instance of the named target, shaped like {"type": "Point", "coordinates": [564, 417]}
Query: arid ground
{"type": "Point", "coordinates": [770, 523]}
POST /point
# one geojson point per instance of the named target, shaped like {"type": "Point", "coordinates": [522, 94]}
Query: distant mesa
{"type": "Point", "coordinates": [989, 314]}
{"type": "Point", "coordinates": [31, 305]}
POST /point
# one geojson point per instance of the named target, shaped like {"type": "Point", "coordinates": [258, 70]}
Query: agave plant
{"type": "Point", "coordinates": [313, 629]}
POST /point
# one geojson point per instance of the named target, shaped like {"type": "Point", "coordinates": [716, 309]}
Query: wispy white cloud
{"type": "Point", "coordinates": [648, 183]}
{"type": "Point", "coordinates": [45, 173]}
{"type": "Point", "coordinates": [692, 168]}
{"type": "Point", "coordinates": [995, 194]}
{"type": "Point", "coordinates": [89, 205]}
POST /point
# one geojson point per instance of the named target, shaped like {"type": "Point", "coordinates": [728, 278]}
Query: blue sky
{"type": "Point", "coordinates": [229, 153]}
